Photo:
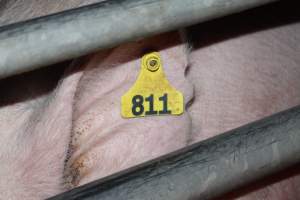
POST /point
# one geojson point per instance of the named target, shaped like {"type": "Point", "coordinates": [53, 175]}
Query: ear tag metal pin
{"type": "Point", "coordinates": [151, 94]}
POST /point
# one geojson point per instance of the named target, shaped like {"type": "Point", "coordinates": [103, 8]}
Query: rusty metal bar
{"type": "Point", "coordinates": [43, 41]}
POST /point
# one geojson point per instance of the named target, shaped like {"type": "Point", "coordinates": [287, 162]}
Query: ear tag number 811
{"type": "Point", "coordinates": [152, 93]}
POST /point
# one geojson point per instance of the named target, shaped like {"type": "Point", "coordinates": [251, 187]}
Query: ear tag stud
{"type": "Point", "coordinates": [151, 94]}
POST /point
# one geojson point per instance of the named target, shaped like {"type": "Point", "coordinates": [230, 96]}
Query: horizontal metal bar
{"type": "Point", "coordinates": [43, 41]}
{"type": "Point", "coordinates": [208, 168]}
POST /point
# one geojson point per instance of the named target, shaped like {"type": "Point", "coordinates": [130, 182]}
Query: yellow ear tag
{"type": "Point", "coordinates": [152, 93]}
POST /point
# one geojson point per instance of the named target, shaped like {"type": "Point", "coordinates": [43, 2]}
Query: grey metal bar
{"type": "Point", "coordinates": [29, 45]}
{"type": "Point", "coordinates": [208, 168]}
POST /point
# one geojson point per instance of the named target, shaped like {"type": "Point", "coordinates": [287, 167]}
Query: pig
{"type": "Point", "coordinates": [61, 126]}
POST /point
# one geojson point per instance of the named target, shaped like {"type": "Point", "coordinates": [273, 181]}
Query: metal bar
{"type": "Point", "coordinates": [208, 168]}
{"type": "Point", "coordinates": [43, 41]}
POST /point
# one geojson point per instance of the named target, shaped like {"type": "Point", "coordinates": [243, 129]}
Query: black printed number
{"type": "Point", "coordinates": [138, 105]}
{"type": "Point", "coordinates": [137, 108]}
{"type": "Point", "coordinates": [164, 99]}
{"type": "Point", "coordinates": [151, 111]}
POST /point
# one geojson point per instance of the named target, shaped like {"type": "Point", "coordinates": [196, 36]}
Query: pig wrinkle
{"type": "Point", "coordinates": [33, 150]}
